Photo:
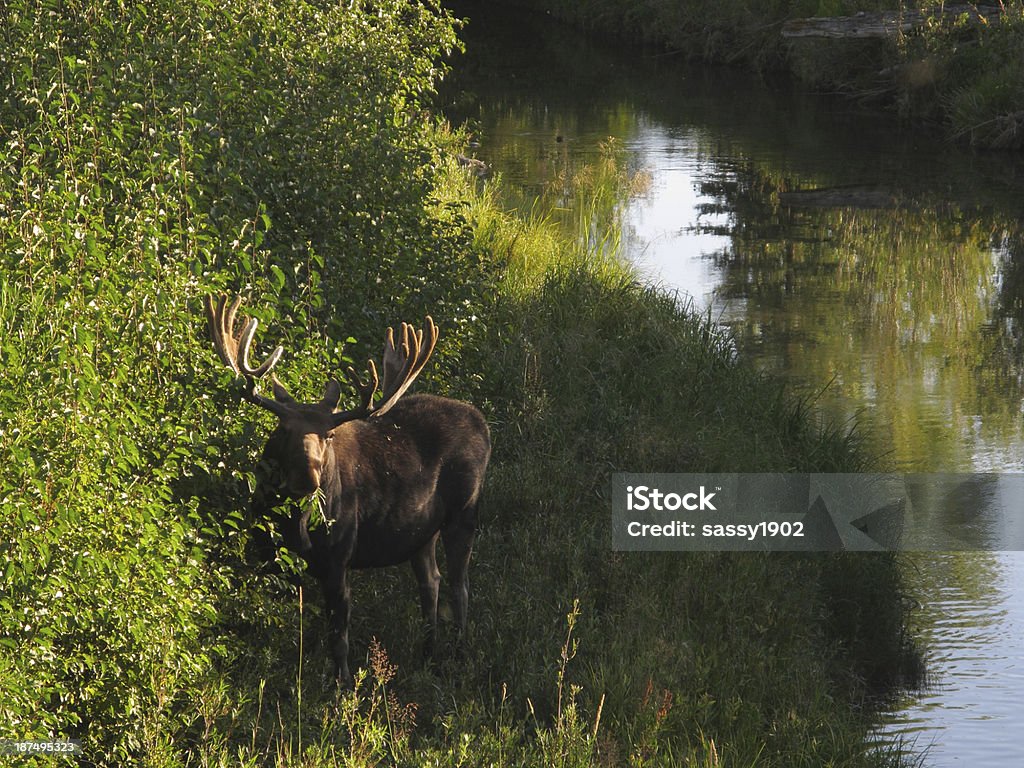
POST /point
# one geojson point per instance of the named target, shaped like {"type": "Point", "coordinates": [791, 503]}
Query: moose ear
{"type": "Point", "coordinates": [332, 393]}
{"type": "Point", "coordinates": [280, 393]}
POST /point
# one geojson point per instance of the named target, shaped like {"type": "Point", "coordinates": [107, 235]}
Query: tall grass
{"type": "Point", "coordinates": [591, 372]}
{"type": "Point", "coordinates": [579, 656]}
{"type": "Point", "coordinates": [575, 223]}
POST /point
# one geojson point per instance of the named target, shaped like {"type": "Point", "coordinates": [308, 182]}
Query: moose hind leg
{"type": "Point", "coordinates": [458, 546]}
{"type": "Point", "coordinates": [424, 566]}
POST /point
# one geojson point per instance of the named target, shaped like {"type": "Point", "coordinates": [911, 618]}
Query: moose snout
{"type": "Point", "coordinates": [305, 478]}
{"type": "Point", "coordinates": [314, 474]}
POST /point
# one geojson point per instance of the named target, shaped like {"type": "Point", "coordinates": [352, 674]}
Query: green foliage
{"type": "Point", "coordinates": [152, 153]}
{"type": "Point", "coordinates": [984, 91]}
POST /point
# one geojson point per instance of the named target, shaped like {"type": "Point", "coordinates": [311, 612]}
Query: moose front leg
{"type": "Point", "coordinates": [424, 566]}
{"type": "Point", "coordinates": [339, 608]}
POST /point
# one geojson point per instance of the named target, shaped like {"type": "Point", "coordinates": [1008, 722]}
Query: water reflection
{"type": "Point", "coordinates": [845, 254]}
{"type": "Point", "coordinates": [972, 621]}
{"type": "Point", "coordinates": [873, 267]}
{"type": "Point", "coordinates": [899, 309]}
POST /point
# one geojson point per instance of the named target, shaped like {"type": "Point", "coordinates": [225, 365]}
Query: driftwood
{"type": "Point", "coordinates": [478, 167]}
{"type": "Point", "coordinates": [885, 23]}
{"type": "Point", "coordinates": [841, 197]}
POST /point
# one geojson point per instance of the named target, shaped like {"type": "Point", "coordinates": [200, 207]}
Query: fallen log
{"type": "Point", "coordinates": [840, 197]}
{"type": "Point", "coordinates": [884, 23]}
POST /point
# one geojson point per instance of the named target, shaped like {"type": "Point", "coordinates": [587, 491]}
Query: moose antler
{"type": "Point", "coordinates": [222, 328]}
{"type": "Point", "coordinates": [234, 350]}
{"type": "Point", "coordinates": [404, 361]}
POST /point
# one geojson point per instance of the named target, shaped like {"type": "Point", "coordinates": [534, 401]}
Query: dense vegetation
{"type": "Point", "coordinates": [957, 70]}
{"type": "Point", "coordinates": [154, 153]}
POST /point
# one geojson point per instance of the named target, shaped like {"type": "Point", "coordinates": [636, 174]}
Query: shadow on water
{"type": "Point", "coordinates": [876, 268]}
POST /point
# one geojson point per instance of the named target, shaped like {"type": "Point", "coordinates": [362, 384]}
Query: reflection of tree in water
{"type": "Point", "coordinates": [907, 307]}
{"type": "Point", "coordinates": [911, 308]}
{"type": "Point", "coordinates": [1006, 330]}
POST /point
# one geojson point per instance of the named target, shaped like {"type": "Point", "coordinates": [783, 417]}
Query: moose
{"type": "Point", "coordinates": [390, 477]}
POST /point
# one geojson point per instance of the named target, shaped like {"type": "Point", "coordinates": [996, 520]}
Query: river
{"type": "Point", "coordinates": [876, 268]}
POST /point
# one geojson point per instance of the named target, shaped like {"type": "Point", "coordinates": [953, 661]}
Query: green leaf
{"type": "Point", "coordinates": [278, 279]}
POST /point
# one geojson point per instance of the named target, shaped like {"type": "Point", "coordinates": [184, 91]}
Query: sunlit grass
{"type": "Point", "coordinates": [574, 224]}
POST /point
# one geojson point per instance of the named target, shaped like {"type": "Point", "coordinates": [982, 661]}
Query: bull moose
{"type": "Point", "coordinates": [391, 476]}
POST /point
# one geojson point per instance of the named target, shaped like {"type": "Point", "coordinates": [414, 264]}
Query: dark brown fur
{"type": "Point", "coordinates": [392, 476]}
{"type": "Point", "coordinates": [391, 484]}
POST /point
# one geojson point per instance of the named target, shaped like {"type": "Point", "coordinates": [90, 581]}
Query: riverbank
{"type": "Point", "coordinates": [268, 156]}
{"type": "Point", "coordinates": [963, 71]}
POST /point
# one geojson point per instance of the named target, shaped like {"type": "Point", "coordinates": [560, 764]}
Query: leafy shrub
{"type": "Point", "coordinates": [153, 152]}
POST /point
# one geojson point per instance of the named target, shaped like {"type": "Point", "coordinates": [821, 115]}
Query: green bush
{"type": "Point", "coordinates": [153, 152]}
